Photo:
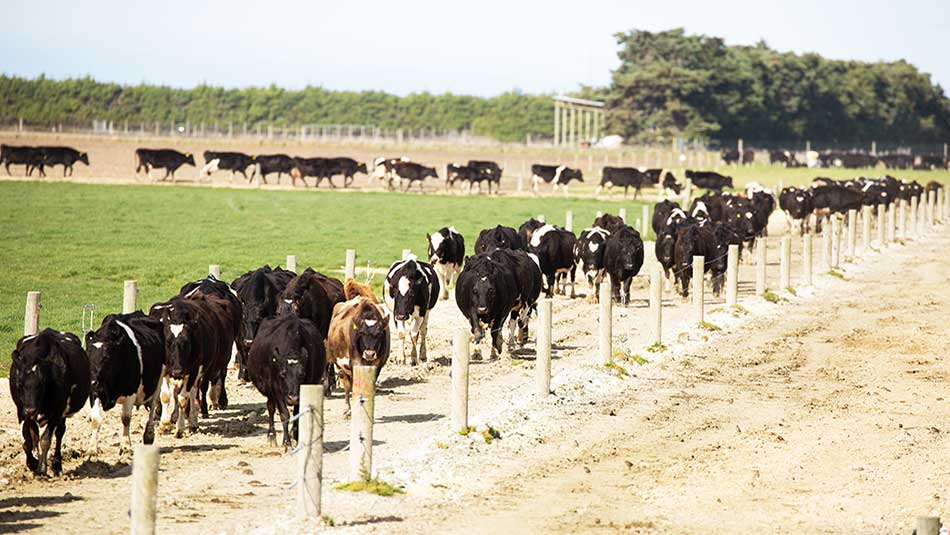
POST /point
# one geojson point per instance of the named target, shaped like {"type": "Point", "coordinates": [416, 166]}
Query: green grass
{"type": "Point", "coordinates": [616, 369]}
{"type": "Point", "coordinates": [706, 326]}
{"type": "Point", "coordinates": [838, 275]}
{"type": "Point", "coordinates": [657, 347]}
{"type": "Point", "coordinates": [77, 243]}
{"type": "Point", "coordinates": [372, 486]}
{"type": "Point", "coordinates": [771, 296]}
{"type": "Point", "coordinates": [490, 434]}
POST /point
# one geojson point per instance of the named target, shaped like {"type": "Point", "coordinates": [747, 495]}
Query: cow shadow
{"type": "Point", "coordinates": [396, 382]}
{"type": "Point", "coordinates": [410, 418]}
{"type": "Point", "coordinates": [335, 446]}
{"type": "Point", "coordinates": [372, 520]}
{"type": "Point", "coordinates": [97, 469]}
{"type": "Point", "coordinates": [186, 448]}
{"type": "Point", "coordinates": [12, 521]}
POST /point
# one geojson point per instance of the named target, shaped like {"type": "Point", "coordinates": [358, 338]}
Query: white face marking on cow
{"type": "Point", "coordinates": [370, 323]}
{"type": "Point", "coordinates": [485, 278]}
{"type": "Point", "coordinates": [289, 301]}
{"type": "Point", "coordinates": [343, 363]}
{"type": "Point", "coordinates": [538, 234]}
{"type": "Point", "coordinates": [748, 215]}
{"type": "Point", "coordinates": [800, 198]}
{"type": "Point", "coordinates": [176, 329]}
{"type": "Point", "coordinates": [436, 240]}
{"type": "Point", "coordinates": [404, 285]}
{"type": "Point", "coordinates": [97, 345]}
{"type": "Point", "coordinates": [33, 369]}
{"type": "Point", "coordinates": [593, 247]}
{"type": "Point", "coordinates": [292, 361]}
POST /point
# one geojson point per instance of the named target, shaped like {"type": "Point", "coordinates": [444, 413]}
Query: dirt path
{"type": "Point", "coordinates": [788, 416]}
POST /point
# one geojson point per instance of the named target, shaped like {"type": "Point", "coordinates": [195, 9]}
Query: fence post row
{"type": "Point", "coordinates": [606, 321]}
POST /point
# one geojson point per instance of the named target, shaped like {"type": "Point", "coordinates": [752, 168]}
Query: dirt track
{"type": "Point", "coordinates": [825, 413]}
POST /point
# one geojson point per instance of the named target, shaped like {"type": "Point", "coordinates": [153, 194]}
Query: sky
{"type": "Point", "coordinates": [478, 48]}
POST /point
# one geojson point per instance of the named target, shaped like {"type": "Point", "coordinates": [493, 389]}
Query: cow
{"type": "Point", "coordinates": [65, 156]}
{"type": "Point", "coordinates": [411, 289]}
{"type": "Point", "coordinates": [931, 163]}
{"type": "Point", "coordinates": [625, 177]}
{"type": "Point", "coordinates": [49, 382]}
{"type": "Point", "coordinates": [609, 222]}
{"type": "Point", "coordinates": [797, 205]}
{"type": "Point", "coordinates": [259, 291]}
{"type": "Point", "coordinates": [228, 161]}
{"type": "Point", "coordinates": [409, 172]}
{"type": "Point", "coordinates": [763, 204]}
{"type": "Point", "coordinates": [554, 248]}
{"type": "Point", "coordinates": [456, 172]}
{"type": "Point", "coordinates": [655, 176]}
{"type": "Point", "coordinates": [739, 213]}
{"type": "Point", "coordinates": [127, 358]}
{"type": "Point", "coordinates": [315, 167]}
{"type": "Point", "coordinates": [31, 157]}
{"type": "Point", "coordinates": [623, 258]}
{"type": "Point", "coordinates": [486, 293]}
{"type": "Point", "coordinates": [589, 254]}
{"type": "Point", "coordinates": [446, 254]}
{"type": "Point", "coordinates": [312, 295]}
{"type": "Point", "coordinates": [933, 185]}
{"type": "Point", "coordinates": [528, 279]}
{"type": "Point", "coordinates": [748, 157]}
{"type": "Point", "coordinates": [486, 171]}
{"type": "Point", "coordinates": [691, 240]}
{"type": "Point", "coordinates": [834, 199]}
{"type": "Point", "coordinates": [384, 170]}
{"type": "Point", "coordinates": [710, 205]}
{"type": "Point", "coordinates": [274, 163]}
{"type": "Point", "coordinates": [782, 157]}
{"type": "Point", "coordinates": [557, 175]}
{"type": "Point", "coordinates": [288, 352]}
{"type": "Point", "coordinates": [359, 335]}
{"type": "Point", "coordinates": [346, 167]}
{"type": "Point", "coordinates": [709, 180]}
{"type": "Point", "coordinates": [526, 230]}
{"type": "Point", "coordinates": [499, 237]}
{"type": "Point", "coordinates": [729, 156]}
{"type": "Point", "coordinates": [661, 213]}
{"type": "Point", "coordinates": [168, 159]}
{"type": "Point", "coordinates": [897, 161]}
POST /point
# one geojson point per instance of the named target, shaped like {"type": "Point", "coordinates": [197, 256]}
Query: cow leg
{"type": "Point", "coordinates": [348, 181]}
{"type": "Point", "coordinates": [222, 391]}
{"type": "Point", "coordinates": [330, 180]}
{"type": "Point", "coordinates": [626, 290]}
{"type": "Point", "coordinates": [423, 329]}
{"type": "Point", "coordinates": [347, 388]}
{"type": "Point", "coordinates": [573, 281]}
{"type": "Point", "coordinates": [64, 170]}
{"type": "Point", "coordinates": [128, 402]}
{"type": "Point", "coordinates": [549, 291]}
{"type": "Point", "coordinates": [202, 395]}
{"type": "Point", "coordinates": [45, 440]}
{"type": "Point", "coordinates": [57, 464]}
{"type": "Point", "coordinates": [496, 341]}
{"type": "Point", "coordinates": [534, 184]}
{"type": "Point", "coordinates": [512, 330]}
{"type": "Point", "coordinates": [440, 272]}
{"type": "Point", "coordinates": [166, 395]}
{"type": "Point", "coordinates": [148, 436]}
{"type": "Point", "coordinates": [284, 422]}
{"type": "Point", "coordinates": [271, 432]}
{"type": "Point", "coordinates": [295, 426]}
{"type": "Point", "coordinates": [30, 431]}
{"type": "Point", "coordinates": [183, 408]}
{"type": "Point", "coordinates": [95, 420]}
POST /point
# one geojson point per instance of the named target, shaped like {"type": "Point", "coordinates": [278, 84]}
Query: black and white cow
{"type": "Point", "coordinates": [168, 159]}
{"type": "Point", "coordinates": [527, 229]}
{"type": "Point", "coordinates": [661, 213]}
{"type": "Point", "coordinates": [127, 356]}
{"type": "Point", "coordinates": [556, 175]}
{"type": "Point", "coordinates": [528, 279]}
{"type": "Point", "coordinates": [288, 352]}
{"type": "Point", "coordinates": [408, 172]}
{"type": "Point", "coordinates": [446, 254]}
{"type": "Point", "coordinates": [228, 161]}
{"type": "Point", "coordinates": [384, 170]}
{"type": "Point", "coordinates": [589, 253]}
{"type": "Point", "coordinates": [65, 156]}
{"type": "Point", "coordinates": [486, 171]}
{"type": "Point", "coordinates": [623, 258]}
{"type": "Point", "coordinates": [306, 167]}
{"type": "Point", "coordinates": [554, 248]}
{"type": "Point", "coordinates": [500, 237]}
{"type": "Point", "coordinates": [797, 205]}
{"type": "Point", "coordinates": [763, 204]}
{"type": "Point", "coordinates": [456, 172]}
{"type": "Point", "coordinates": [410, 291]}
{"type": "Point", "coordinates": [624, 177]}
{"type": "Point", "coordinates": [486, 293]}
{"type": "Point", "coordinates": [49, 381]}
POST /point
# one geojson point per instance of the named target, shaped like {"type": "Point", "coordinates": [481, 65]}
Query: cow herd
{"type": "Point", "coordinates": [39, 158]}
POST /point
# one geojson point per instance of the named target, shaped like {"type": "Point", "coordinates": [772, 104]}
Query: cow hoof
{"type": "Point", "coordinates": [346, 414]}
{"type": "Point", "coordinates": [179, 433]}
{"type": "Point", "coordinates": [272, 441]}
{"type": "Point", "coordinates": [148, 437]}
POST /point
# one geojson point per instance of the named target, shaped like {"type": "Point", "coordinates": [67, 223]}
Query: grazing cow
{"type": "Point", "coordinates": [797, 205]}
{"type": "Point", "coordinates": [312, 295]}
{"type": "Point", "coordinates": [486, 293]}
{"type": "Point", "coordinates": [625, 177]}
{"type": "Point", "coordinates": [274, 163]}
{"type": "Point", "coordinates": [410, 291]}
{"type": "Point", "coordinates": [557, 175]}
{"type": "Point", "coordinates": [49, 381]}
{"type": "Point", "coordinates": [528, 280]}
{"type": "Point", "coordinates": [748, 157]}
{"type": "Point", "coordinates": [315, 167]}
{"type": "Point", "coordinates": [287, 353]}
{"type": "Point", "coordinates": [656, 175]}
{"type": "Point", "coordinates": [486, 171]}
{"type": "Point", "coordinates": [554, 248]}
{"type": "Point", "coordinates": [346, 167]}
{"type": "Point", "coordinates": [456, 172]}
{"type": "Point", "coordinates": [709, 180]}
{"type": "Point", "coordinates": [259, 292]}
{"type": "Point", "coordinates": [446, 254]}
{"type": "Point", "coordinates": [409, 172]}
{"type": "Point", "coordinates": [623, 258]}
{"type": "Point", "coordinates": [589, 253]}
{"type": "Point", "coordinates": [127, 356]}
{"type": "Point", "coordinates": [65, 156]}
{"type": "Point", "coordinates": [359, 335]}
{"type": "Point", "coordinates": [526, 230]}
{"type": "Point", "coordinates": [498, 238]}
{"type": "Point", "coordinates": [227, 161]}
{"type": "Point", "coordinates": [783, 157]}
{"type": "Point", "coordinates": [31, 157]}
{"type": "Point", "coordinates": [662, 212]}
{"type": "Point", "coordinates": [609, 222]}
{"type": "Point", "coordinates": [168, 159]}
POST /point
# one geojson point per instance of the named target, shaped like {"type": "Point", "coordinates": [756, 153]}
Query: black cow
{"type": "Point", "coordinates": [486, 293]}
{"type": "Point", "coordinates": [228, 161]}
{"type": "Point", "coordinates": [710, 205]}
{"type": "Point", "coordinates": [259, 292]}
{"type": "Point", "coordinates": [456, 172]}
{"type": "Point", "coordinates": [783, 157]}
{"type": "Point", "coordinates": [709, 180]}
{"type": "Point", "coordinates": [347, 167]}
{"type": "Point", "coordinates": [274, 163]}
{"type": "Point", "coordinates": [446, 254]}
{"type": "Point", "coordinates": [498, 238]}
{"type": "Point", "coordinates": [625, 177]}
{"type": "Point", "coordinates": [168, 159]}
{"type": "Point", "coordinates": [623, 258]}
{"type": "Point", "coordinates": [31, 157]}
{"type": "Point", "coordinates": [65, 156]}
{"type": "Point", "coordinates": [729, 156]}
{"type": "Point", "coordinates": [609, 222]}
{"type": "Point", "coordinates": [529, 282]}
{"type": "Point", "coordinates": [486, 171]}
{"type": "Point", "coordinates": [384, 170]}
{"type": "Point", "coordinates": [763, 204]}
{"type": "Point", "coordinates": [288, 352]}
{"type": "Point", "coordinates": [692, 240]}
{"type": "Point", "coordinates": [526, 230]}
{"type": "Point", "coordinates": [662, 212]}
{"type": "Point", "coordinates": [931, 163]}
{"type": "Point", "coordinates": [798, 205]}
{"type": "Point", "coordinates": [409, 172]}
{"type": "Point", "coordinates": [126, 355]}
{"type": "Point", "coordinates": [589, 254]}
{"type": "Point", "coordinates": [557, 175]}
{"type": "Point", "coordinates": [554, 248]}
{"type": "Point", "coordinates": [410, 290]}
{"type": "Point", "coordinates": [315, 167]}
{"type": "Point", "coordinates": [49, 381]}
{"type": "Point", "coordinates": [837, 199]}
{"type": "Point", "coordinates": [312, 295]}
{"type": "Point", "coordinates": [897, 161]}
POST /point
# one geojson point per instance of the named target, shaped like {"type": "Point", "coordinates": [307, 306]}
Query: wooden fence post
{"type": "Point", "coordinates": [699, 280]}
{"type": "Point", "coordinates": [569, 221]}
{"type": "Point", "coordinates": [361, 425]}
{"type": "Point", "coordinates": [129, 294]}
{"type": "Point", "coordinates": [826, 246]}
{"type": "Point", "coordinates": [292, 263]}
{"type": "Point", "coordinates": [543, 354]}
{"type": "Point", "coordinates": [144, 488]}
{"type": "Point", "coordinates": [310, 442]}
{"type": "Point", "coordinates": [215, 271]}
{"type": "Point", "coordinates": [892, 223]}
{"type": "Point", "coordinates": [852, 234]}
{"type": "Point", "coordinates": [760, 258]}
{"type": "Point", "coordinates": [645, 217]}
{"type": "Point", "coordinates": [902, 220]}
{"type": "Point", "coordinates": [732, 276]}
{"type": "Point", "coordinates": [623, 215]}
{"type": "Point", "coordinates": [835, 241]}
{"type": "Point", "coordinates": [460, 357]}
{"type": "Point", "coordinates": [928, 525]}
{"type": "Point", "coordinates": [656, 302]}
{"type": "Point", "coordinates": [785, 261]}
{"type": "Point", "coordinates": [606, 321]}
{"type": "Point", "coordinates": [349, 269]}
{"type": "Point", "coordinates": [807, 260]}
{"type": "Point", "coordinates": [31, 320]}
{"type": "Point", "coordinates": [881, 218]}
{"type": "Point", "coordinates": [914, 226]}
{"type": "Point", "coordinates": [865, 229]}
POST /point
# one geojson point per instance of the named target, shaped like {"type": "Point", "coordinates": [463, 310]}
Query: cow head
{"type": "Point", "coordinates": [590, 249]}
{"type": "Point", "coordinates": [569, 174]}
{"type": "Point", "coordinates": [361, 168]}
{"type": "Point", "coordinates": [405, 283]}
{"type": "Point", "coordinates": [483, 295]}
{"type": "Point", "coordinates": [107, 349]}
{"type": "Point", "coordinates": [628, 250]}
{"type": "Point", "coordinates": [289, 361]}
{"type": "Point", "coordinates": [36, 367]}
{"type": "Point", "coordinates": [189, 158]}
{"type": "Point", "coordinates": [666, 246]}
{"type": "Point", "coordinates": [371, 333]}
{"type": "Point", "coordinates": [180, 321]}
{"type": "Point", "coordinates": [429, 171]}
{"type": "Point", "coordinates": [84, 158]}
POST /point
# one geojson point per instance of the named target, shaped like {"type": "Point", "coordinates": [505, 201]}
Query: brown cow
{"type": "Point", "coordinates": [359, 334]}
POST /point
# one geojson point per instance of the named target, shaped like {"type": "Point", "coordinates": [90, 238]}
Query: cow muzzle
{"type": "Point", "coordinates": [369, 354]}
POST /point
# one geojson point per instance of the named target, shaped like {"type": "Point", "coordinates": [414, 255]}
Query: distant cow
{"type": "Point", "coordinates": [315, 167]}
{"type": "Point", "coordinates": [126, 355]}
{"type": "Point", "coordinates": [287, 353]}
{"type": "Point", "coordinates": [486, 171]}
{"type": "Point", "coordinates": [359, 335]}
{"type": "Point", "coordinates": [65, 156]}
{"type": "Point", "coordinates": [168, 159]}
{"type": "Point", "coordinates": [456, 172]}
{"type": "Point", "coordinates": [384, 170]}
{"type": "Point", "coordinates": [499, 237]}
{"type": "Point", "coordinates": [31, 157]}
{"type": "Point", "coordinates": [49, 381]}
{"type": "Point", "coordinates": [625, 177]}
{"type": "Point", "coordinates": [709, 180]}
{"type": "Point", "coordinates": [486, 293]}
{"type": "Point", "coordinates": [409, 172]}
{"type": "Point", "coordinates": [410, 290]}
{"type": "Point", "coordinates": [259, 292]}
{"type": "Point", "coordinates": [554, 248]}
{"type": "Point", "coordinates": [528, 280]}
{"type": "Point", "coordinates": [312, 295]}
{"type": "Point", "coordinates": [274, 163]}
{"type": "Point", "coordinates": [763, 204]}
{"type": "Point", "coordinates": [691, 240]}
{"type": "Point", "coordinates": [797, 205]}
{"type": "Point", "coordinates": [446, 254]}
{"type": "Point", "coordinates": [347, 167]}
{"type": "Point", "coordinates": [227, 161]}
{"type": "Point", "coordinates": [623, 258]}
{"type": "Point", "coordinates": [609, 222]}
{"type": "Point", "coordinates": [589, 254]}
{"type": "Point", "coordinates": [556, 175]}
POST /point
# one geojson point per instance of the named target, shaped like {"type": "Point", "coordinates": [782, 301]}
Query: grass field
{"type": "Point", "coordinates": [78, 243]}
